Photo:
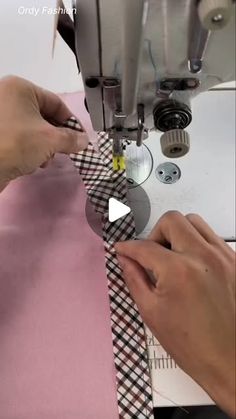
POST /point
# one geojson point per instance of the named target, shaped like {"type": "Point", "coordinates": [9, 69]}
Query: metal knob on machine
{"type": "Point", "coordinates": [175, 143]}
{"type": "Point", "coordinates": [214, 14]}
{"type": "Point", "coordinates": [172, 117]}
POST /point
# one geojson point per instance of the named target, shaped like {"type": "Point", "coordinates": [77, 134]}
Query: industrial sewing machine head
{"type": "Point", "coordinates": [143, 61]}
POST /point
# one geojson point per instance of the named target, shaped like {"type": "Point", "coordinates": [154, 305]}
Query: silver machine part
{"type": "Point", "coordinates": [137, 157]}
{"type": "Point", "coordinates": [143, 61]}
{"type": "Point", "coordinates": [168, 173]}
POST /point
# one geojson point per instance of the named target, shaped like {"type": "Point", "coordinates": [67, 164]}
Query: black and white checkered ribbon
{"type": "Point", "coordinates": [129, 342]}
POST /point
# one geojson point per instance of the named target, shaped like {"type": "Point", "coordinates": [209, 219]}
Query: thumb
{"type": "Point", "coordinates": [66, 140]}
{"type": "Point", "coordinates": [137, 281]}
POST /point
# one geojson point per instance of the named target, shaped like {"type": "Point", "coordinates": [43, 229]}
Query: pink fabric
{"type": "Point", "coordinates": [56, 357]}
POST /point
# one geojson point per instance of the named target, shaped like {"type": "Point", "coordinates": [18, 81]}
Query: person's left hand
{"type": "Point", "coordinates": [30, 132]}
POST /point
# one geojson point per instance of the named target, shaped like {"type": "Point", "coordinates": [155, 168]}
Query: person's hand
{"type": "Point", "coordinates": [29, 136]}
{"type": "Point", "coordinates": [183, 281]}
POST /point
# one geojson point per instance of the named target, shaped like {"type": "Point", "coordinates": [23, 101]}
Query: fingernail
{"type": "Point", "coordinates": [82, 141]}
{"type": "Point", "coordinates": [112, 250]}
{"type": "Point", "coordinates": [122, 261]}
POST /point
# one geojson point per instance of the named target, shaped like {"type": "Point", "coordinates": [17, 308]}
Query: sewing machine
{"type": "Point", "coordinates": [143, 61]}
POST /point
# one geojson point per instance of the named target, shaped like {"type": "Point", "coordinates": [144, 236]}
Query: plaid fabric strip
{"type": "Point", "coordinates": [129, 342]}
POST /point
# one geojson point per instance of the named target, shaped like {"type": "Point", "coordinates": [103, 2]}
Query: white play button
{"type": "Point", "coordinates": [117, 210]}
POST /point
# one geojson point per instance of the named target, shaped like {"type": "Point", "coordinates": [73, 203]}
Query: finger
{"type": "Point", "coordinates": [174, 229]}
{"type": "Point", "coordinates": [151, 256]}
{"type": "Point", "coordinates": [52, 107]}
{"type": "Point", "coordinates": [66, 140]}
{"type": "Point", "coordinates": [140, 287]}
{"type": "Point", "coordinates": [204, 229]}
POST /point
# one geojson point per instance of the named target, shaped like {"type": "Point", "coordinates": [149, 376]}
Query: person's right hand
{"type": "Point", "coordinates": [191, 308]}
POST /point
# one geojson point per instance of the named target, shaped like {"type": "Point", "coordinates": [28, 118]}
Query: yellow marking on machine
{"type": "Point", "coordinates": [119, 163]}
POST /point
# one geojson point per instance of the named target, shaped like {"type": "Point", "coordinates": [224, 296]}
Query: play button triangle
{"type": "Point", "coordinates": [117, 210]}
